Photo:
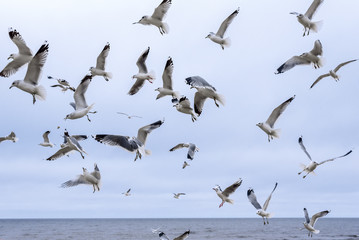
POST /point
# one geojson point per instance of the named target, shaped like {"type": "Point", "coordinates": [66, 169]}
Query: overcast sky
{"type": "Point", "coordinates": [264, 35]}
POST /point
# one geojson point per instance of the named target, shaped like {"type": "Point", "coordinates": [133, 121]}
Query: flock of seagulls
{"type": "Point", "coordinates": [204, 90]}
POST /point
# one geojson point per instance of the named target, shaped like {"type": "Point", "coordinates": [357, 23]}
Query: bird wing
{"type": "Point", "coordinates": [335, 158]}
{"type": "Point", "coordinates": [291, 63]}
{"type": "Point", "coordinates": [11, 68]}
{"type": "Point", "coordinates": [184, 101]}
{"type": "Point", "coordinates": [19, 42]}
{"type": "Point", "coordinates": [144, 131]}
{"type": "Point", "coordinates": [117, 140]}
{"type": "Point", "coordinates": [319, 78]}
{"type": "Point", "coordinates": [129, 190]}
{"type": "Point", "coordinates": [183, 236]}
{"type": "Point", "coordinates": [12, 135]}
{"type": "Point", "coordinates": [317, 49]}
{"type": "Point", "coordinates": [101, 59]}
{"type": "Point", "coordinates": [80, 91]}
{"type": "Point", "coordinates": [278, 111]}
{"type": "Point", "coordinates": [342, 64]}
{"type": "Point", "coordinates": [266, 203]}
{"type": "Point", "coordinates": [136, 86]}
{"type": "Point", "coordinates": [162, 9]}
{"type": "Point", "coordinates": [141, 62]}
{"type": "Point", "coordinates": [199, 100]}
{"type": "Point", "coordinates": [61, 152]}
{"type": "Point", "coordinates": [313, 8]}
{"type": "Point", "coordinates": [180, 145]}
{"type": "Point", "coordinates": [167, 74]}
{"type": "Point", "coordinates": [79, 137]}
{"type": "Point", "coordinates": [58, 85]}
{"type": "Point", "coordinates": [2, 139]}
{"type": "Point", "coordinates": [253, 199]}
{"type": "Point", "coordinates": [197, 81]}
{"type": "Point", "coordinates": [46, 136]}
{"type": "Point", "coordinates": [231, 189]}
{"type": "Point", "coordinates": [300, 141]}
{"type": "Point", "coordinates": [306, 215]}
{"type": "Point", "coordinates": [223, 28]}
{"type": "Point", "coordinates": [191, 151]}
{"type": "Point", "coordinates": [79, 180]}
{"type": "Point", "coordinates": [34, 68]}
{"type": "Point", "coordinates": [315, 217]}
{"type": "Point", "coordinates": [163, 236]}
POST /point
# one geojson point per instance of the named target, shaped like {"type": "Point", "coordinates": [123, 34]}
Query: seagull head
{"type": "Point", "coordinates": [12, 56]}
{"type": "Point", "coordinates": [210, 34]}
{"type": "Point", "coordinates": [259, 124]}
{"type": "Point", "coordinates": [143, 20]}
{"type": "Point", "coordinates": [217, 188]}
{"type": "Point", "coordinates": [15, 84]}
{"type": "Point", "coordinates": [84, 169]}
{"type": "Point", "coordinates": [91, 68]}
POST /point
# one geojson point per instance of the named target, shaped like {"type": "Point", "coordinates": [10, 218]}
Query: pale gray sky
{"type": "Point", "coordinates": [264, 35]}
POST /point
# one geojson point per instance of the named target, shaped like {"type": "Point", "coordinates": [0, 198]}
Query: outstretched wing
{"type": "Point", "coordinates": [80, 91]}
{"type": "Point", "coordinates": [117, 140]}
{"type": "Point", "coordinates": [141, 61]}
{"type": "Point", "coordinates": [144, 131]}
{"type": "Point", "coordinates": [300, 141]}
{"type": "Point", "coordinates": [46, 136]}
{"type": "Point", "coordinates": [231, 189]}
{"type": "Point", "coordinates": [79, 180]}
{"type": "Point", "coordinates": [61, 152]}
{"type": "Point", "coordinates": [291, 63]}
{"type": "Point", "coordinates": [317, 49]}
{"type": "Point", "coordinates": [178, 146]}
{"type": "Point", "coordinates": [342, 64]}
{"type": "Point", "coordinates": [162, 9]}
{"type": "Point", "coordinates": [136, 86]}
{"type": "Point", "coordinates": [266, 203]}
{"type": "Point", "coordinates": [36, 64]}
{"type": "Point", "coordinates": [101, 59]}
{"type": "Point", "coordinates": [253, 199]}
{"type": "Point", "coordinates": [306, 215]}
{"type": "Point", "coordinates": [320, 78]}
{"type": "Point", "coordinates": [313, 8]}
{"type": "Point", "coordinates": [335, 158]}
{"type": "Point", "coordinates": [183, 236]}
{"type": "Point", "coordinates": [316, 216]}
{"type": "Point", "coordinates": [278, 111]}
{"type": "Point", "coordinates": [167, 74]}
{"type": "Point", "coordinates": [223, 28]}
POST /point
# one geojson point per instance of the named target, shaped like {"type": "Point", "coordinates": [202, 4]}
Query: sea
{"type": "Point", "coordinates": [141, 229]}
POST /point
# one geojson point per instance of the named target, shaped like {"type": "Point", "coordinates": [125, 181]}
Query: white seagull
{"type": "Point", "coordinates": [192, 148]}
{"type": "Point", "coordinates": [142, 74]}
{"type": "Point", "coordinates": [63, 84]}
{"type": "Point", "coordinates": [99, 70]}
{"type": "Point", "coordinates": [46, 142]}
{"type": "Point", "coordinates": [167, 82]}
{"type": "Point", "coordinates": [157, 17]}
{"type": "Point", "coordinates": [332, 73]}
{"type": "Point", "coordinates": [177, 195]}
{"type": "Point", "coordinates": [93, 178]}
{"type": "Point", "coordinates": [224, 195]}
{"type": "Point", "coordinates": [183, 105]}
{"type": "Point", "coordinates": [19, 59]}
{"type": "Point", "coordinates": [129, 116]}
{"type": "Point", "coordinates": [305, 58]}
{"type": "Point", "coordinates": [219, 36]}
{"type": "Point", "coordinates": [134, 144]}
{"type": "Point", "coordinates": [306, 19]}
{"type": "Point", "coordinates": [268, 125]}
{"type": "Point", "coordinates": [127, 193]}
{"type": "Point", "coordinates": [185, 164]}
{"type": "Point", "coordinates": [204, 91]}
{"type": "Point", "coordinates": [11, 137]}
{"type": "Point", "coordinates": [80, 105]}
{"type": "Point", "coordinates": [33, 74]}
{"type": "Point", "coordinates": [313, 165]}
{"type": "Point", "coordinates": [309, 223]}
{"type": "Point", "coordinates": [261, 211]}
{"type": "Point", "coordinates": [183, 236]}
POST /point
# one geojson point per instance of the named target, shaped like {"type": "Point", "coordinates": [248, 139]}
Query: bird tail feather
{"type": "Point", "coordinates": [227, 42]}
{"type": "Point", "coordinates": [230, 201]}
{"type": "Point", "coordinates": [108, 75]}
{"type": "Point", "coordinates": [40, 93]}
{"type": "Point", "coordinates": [316, 26]}
{"type": "Point", "coordinates": [220, 99]}
{"type": "Point", "coordinates": [276, 133]}
{"type": "Point", "coordinates": [165, 28]}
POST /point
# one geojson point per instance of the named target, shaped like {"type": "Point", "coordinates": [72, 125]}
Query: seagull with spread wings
{"type": "Point", "coordinates": [19, 59]}
{"type": "Point", "coordinates": [46, 142]}
{"type": "Point", "coordinates": [127, 193]}
{"type": "Point", "coordinates": [313, 165]}
{"type": "Point", "coordinates": [224, 195]}
{"type": "Point", "coordinates": [99, 70]}
{"type": "Point", "coordinates": [183, 105]}
{"type": "Point", "coordinates": [63, 84]}
{"type": "Point", "coordinates": [128, 116]}
{"type": "Point", "coordinates": [306, 18]}
{"type": "Point", "coordinates": [11, 137]}
{"type": "Point", "coordinates": [268, 125]}
{"type": "Point", "coordinates": [219, 36]}
{"type": "Point", "coordinates": [183, 236]}
{"type": "Point", "coordinates": [309, 223]}
{"type": "Point", "coordinates": [134, 144]}
{"type": "Point", "coordinates": [167, 89]}
{"type": "Point", "coordinates": [261, 211]}
{"type": "Point", "coordinates": [157, 17]}
{"type": "Point", "coordinates": [192, 148]}
{"type": "Point", "coordinates": [177, 195]}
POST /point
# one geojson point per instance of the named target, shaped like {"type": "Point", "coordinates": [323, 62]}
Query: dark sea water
{"type": "Point", "coordinates": [124, 229]}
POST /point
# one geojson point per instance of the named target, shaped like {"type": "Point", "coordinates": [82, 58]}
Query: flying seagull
{"type": "Point", "coordinates": [309, 223]}
{"type": "Point", "coordinates": [46, 142]}
{"type": "Point", "coordinates": [80, 105]}
{"type": "Point", "coordinates": [183, 105]}
{"type": "Point", "coordinates": [185, 164]}
{"type": "Point", "coordinates": [93, 178]}
{"type": "Point", "coordinates": [11, 137]}
{"type": "Point", "coordinates": [99, 70]}
{"type": "Point", "coordinates": [204, 91]}
{"type": "Point", "coordinates": [142, 74]}
{"type": "Point", "coordinates": [63, 84]}
{"type": "Point", "coordinates": [33, 74]}
{"type": "Point", "coordinates": [134, 144]}
{"type": "Point", "coordinates": [261, 211]}
{"type": "Point", "coordinates": [127, 193]}
{"type": "Point", "coordinates": [129, 116]}
{"type": "Point", "coordinates": [268, 125]}
{"type": "Point", "coordinates": [183, 236]}
{"type": "Point", "coordinates": [306, 19]}
{"type": "Point", "coordinates": [313, 165]}
{"type": "Point", "coordinates": [332, 73]}
{"type": "Point", "coordinates": [224, 195]}
{"type": "Point", "coordinates": [218, 37]}
{"type": "Point", "coordinates": [305, 58]}
{"type": "Point", "coordinates": [157, 17]}
{"type": "Point", "coordinates": [177, 195]}
{"type": "Point", "coordinates": [167, 82]}
{"type": "Point", "coordinates": [19, 59]}
{"type": "Point", "coordinates": [192, 148]}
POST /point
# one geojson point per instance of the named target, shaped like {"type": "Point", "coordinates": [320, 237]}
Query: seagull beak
{"type": "Point", "coordinates": [134, 22]}
{"type": "Point", "coordinates": [8, 58]}
{"type": "Point", "coordinates": [11, 86]}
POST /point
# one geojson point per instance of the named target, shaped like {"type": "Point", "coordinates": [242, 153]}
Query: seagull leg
{"type": "Point", "coordinates": [83, 157]}
{"type": "Point", "coordinates": [216, 102]}
{"type": "Point", "coordinates": [267, 221]}
{"type": "Point", "coordinates": [94, 189]}
{"type": "Point", "coordinates": [33, 99]}
{"type": "Point", "coordinates": [88, 118]}
{"type": "Point", "coordinates": [264, 221]}
{"type": "Point", "coordinates": [221, 205]}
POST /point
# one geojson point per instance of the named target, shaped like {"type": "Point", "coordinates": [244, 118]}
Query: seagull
{"type": "Point", "coordinates": [313, 165]}
{"type": "Point", "coordinates": [268, 125]}
{"type": "Point", "coordinates": [99, 70]}
{"type": "Point", "coordinates": [332, 73]}
{"type": "Point", "coordinates": [63, 88]}
{"type": "Point", "coordinates": [306, 19]}
{"type": "Point", "coordinates": [305, 58]}
{"type": "Point", "coordinates": [24, 56]}
{"type": "Point", "coordinates": [46, 142]}
{"type": "Point", "coordinates": [167, 82]}
{"type": "Point", "coordinates": [93, 178]}
{"type": "Point", "coordinates": [11, 137]}
{"type": "Point", "coordinates": [183, 105]}
{"type": "Point", "coordinates": [185, 164]}
{"type": "Point", "coordinates": [157, 17]}
{"type": "Point", "coordinates": [261, 211]}
{"type": "Point", "coordinates": [309, 223]}
{"type": "Point", "coordinates": [183, 236]}
{"type": "Point", "coordinates": [218, 37]}
{"type": "Point", "coordinates": [127, 193]}
{"type": "Point", "coordinates": [225, 194]}
{"type": "Point", "coordinates": [134, 144]}
{"type": "Point", "coordinates": [142, 74]}
{"type": "Point", "coordinates": [70, 144]}
{"type": "Point", "coordinates": [33, 74]}
{"type": "Point", "coordinates": [177, 195]}
{"type": "Point", "coordinates": [63, 84]}
{"type": "Point", "coordinates": [192, 148]}
{"type": "Point", "coordinates": [204, 91]}
{"type": "Point", "coordinates": [80, 105]}
{"type": "Point", "coordinates": [128, 116]}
